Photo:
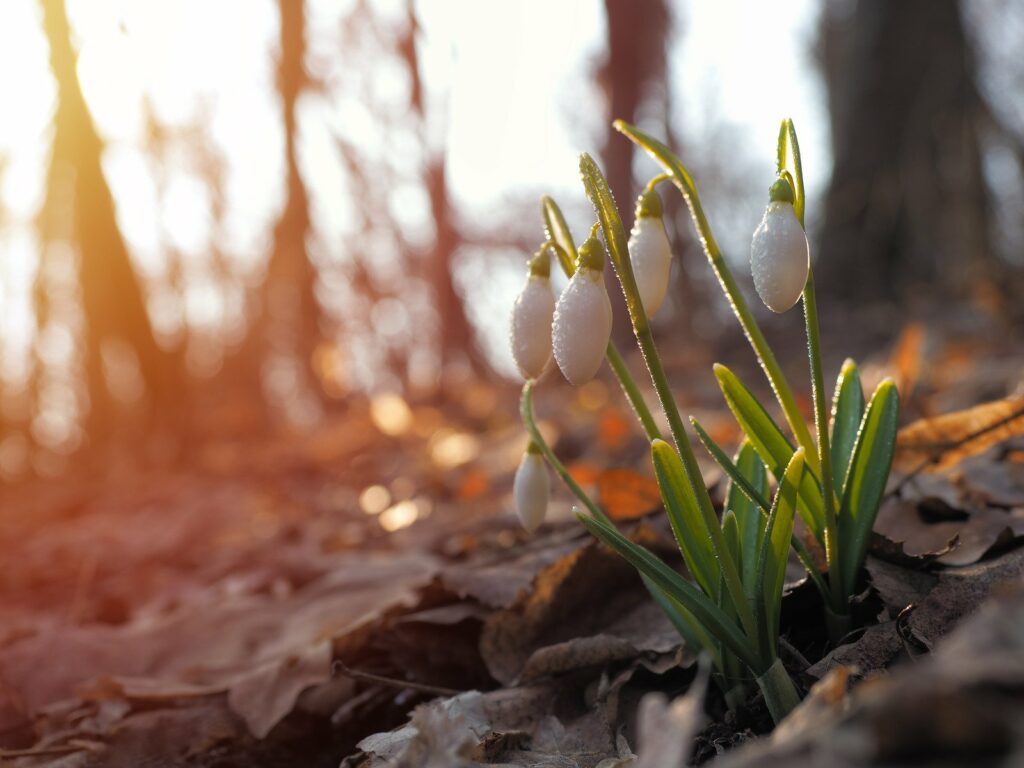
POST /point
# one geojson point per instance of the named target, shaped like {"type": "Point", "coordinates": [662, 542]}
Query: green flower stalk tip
{"type": "Point", "coordinates": [592, 254]}
{"type": "Point", "coordinates": [781, 191]}
{"type": "Point", "coordinates": [540, 264]}
{"type": "Point", "coordinates": [532, 317]}
{"type": "Point", "coordinates": [582, 325]}
{"type": "Point", "coordinates": [648, 205]}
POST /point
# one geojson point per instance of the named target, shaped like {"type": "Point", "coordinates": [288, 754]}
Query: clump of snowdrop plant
{"type": "Point", "coordinates": [834, 480]}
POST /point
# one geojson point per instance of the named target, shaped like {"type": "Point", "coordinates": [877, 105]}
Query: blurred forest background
{"type": "Point", "coordinates": [238, 217]}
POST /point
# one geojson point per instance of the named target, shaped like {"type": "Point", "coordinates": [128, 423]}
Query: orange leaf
{"type": "Point", "coordinates": [625, 494]}
{"type": "Point", "coordinates": [613, 429]}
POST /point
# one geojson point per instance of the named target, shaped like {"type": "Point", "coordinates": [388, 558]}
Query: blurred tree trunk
{"type": "Point", "coordinates": [457, 343]}
{"type": "Point", "coordinates": [112, 299]}
{"type": "Point", "coordinates": [631, 73]}
{"type": "Point", "coordinates": [289, 327]}
{"type": "Point", "coordinates": [907, 205]}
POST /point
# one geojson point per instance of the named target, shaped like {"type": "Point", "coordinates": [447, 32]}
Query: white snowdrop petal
{"type": "Point", "coordinates": [531, 326]}
{"type": "Point", "coordinates": [582, 326]}
{"type": "Point", "coordinates": [779, 257]}
{"type": "Point", "coordinates": [651, 256]}
{"type": "Point", "coordinates": [530, 491]}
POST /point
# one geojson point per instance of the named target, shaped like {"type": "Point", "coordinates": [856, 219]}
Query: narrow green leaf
{"type": "Point", "coordinates": [738, 481]}
{"type": "Point", "coordinates": [730, 530]}
{"type": "Point", "coordinates": [684, 623]}
{"type": "Point", "coordinates": [847, 412]}
{"type": "Point", "coordinates": [559, 231]}
{"type": "Point", "coordinates": [750, 520]}
{"type": "Point", "coordinates": [759, 498]}
{"type": "Point", "coordinates": [865, 482]}
{"type": "Point", "coordinates": [685, 517]}
{"type": "Point", "coordinates": [771, 445]}
{"type": "Point", "coordinates": [775, 547]}
{"type": "Point", "coordinates": [710, 616]}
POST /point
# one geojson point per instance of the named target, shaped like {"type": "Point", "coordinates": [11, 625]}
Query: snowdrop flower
{"type": "Point", "coordinates": [531, 489]}
{"type": "Point", "coordinates": [583, 317]}
{"type": "Point", "coordinates": [650, 252]}
{"type": "Point", "coordinates": [531, 319]}
{"type": "Point", "coordinates": [779, 255]}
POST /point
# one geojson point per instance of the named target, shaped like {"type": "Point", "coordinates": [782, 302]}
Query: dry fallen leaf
{"type": "Point", "coordinates": [943, 441]}
{"type": "Point", "coordinates": [624, 494]}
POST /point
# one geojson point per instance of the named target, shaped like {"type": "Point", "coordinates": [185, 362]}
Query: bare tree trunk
{"type": "Point", "coordinates": [289, 325]}
{"type": "Point", "coordinates": [907, 205]}
{"type": "Point", "coordinates": [112, 299]}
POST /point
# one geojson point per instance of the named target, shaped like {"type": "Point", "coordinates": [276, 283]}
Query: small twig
{"type": "Point", "coordinates": [339, 667]}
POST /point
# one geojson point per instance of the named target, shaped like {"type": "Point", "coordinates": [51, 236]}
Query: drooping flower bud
{"type": "Point", "coordinates": [531, 489]}
{"type": "Point", "coordinates": [583, 317]}
{"type": "Point", "coordinates": [779, 254]}
{"type": "Point", "coordinates": [650, 252]}
{"type": "Point", "coordinates": [531, 319]}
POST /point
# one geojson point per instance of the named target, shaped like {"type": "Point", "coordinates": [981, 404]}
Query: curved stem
{"type": "Point", "coordinates": [657, 180]}
{"type": "Point", "coordinates": [684, 183]}
{"type": "Point", "coordinates": [615, 238]}
{"type": "Point", "coordinates": [789, 149]}
{"type": "Point", "coordinates": [526, 411]}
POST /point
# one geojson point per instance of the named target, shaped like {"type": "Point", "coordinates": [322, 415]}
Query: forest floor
{"type": "Point", "coordinates": [362, 595]}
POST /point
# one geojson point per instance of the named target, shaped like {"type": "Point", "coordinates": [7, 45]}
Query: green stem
{"type": "Point", "coordinates": [780, 694]}
{"type": "Point", "coordinates": [835, 570]}
{"type": "Point", "coordinates": [790, 147]}
{"type": "Point", "coordinates": [632, 392]}
{"type": "Point", "coordinates": [526, 411]}
{"type": "Point", "coordinates": [684, 183]}
{"type": "Point", "coordinates": [615, 238]}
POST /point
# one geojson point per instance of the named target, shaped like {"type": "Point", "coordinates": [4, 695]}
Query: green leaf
{"type": "Point", "coordinates": [558, 230]}
{"type": "Point", "coordinates": [775, 547]}
{"type": "Point", "coordinates": [771, 445]}
{"type": "Point", "coordinates": [684, 623]}
{"type": "Point", "coordinates": [731, 533]}
{"type": "Point", "coordinates": [715, 622]}
{"type": "Point", "coordinates": [685, 517]}
{"type": "Point", "coordinates": [758, 496]}
{"type": "Point", "coordinates": [847, 412]}
{"type": "Point", "coordinates": [865, 482]}
{"type": "Point", "coordinates": [750, 520]}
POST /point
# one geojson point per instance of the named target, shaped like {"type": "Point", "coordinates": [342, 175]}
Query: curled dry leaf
{"type": "Point", "coordinates": [943, 441]}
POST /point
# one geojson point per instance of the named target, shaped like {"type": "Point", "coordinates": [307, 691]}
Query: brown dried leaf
{"type": "Point", "coordinates": [666, 729]}
{"type": "Point", "coordinates": [943, 441]}
{"type": "Point", "coordinates": [271, 648]}
{"type": "Point", "coordinates": [583, 594]}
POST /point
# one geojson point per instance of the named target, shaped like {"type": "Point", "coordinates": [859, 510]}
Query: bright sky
{"type": "Point", "coordinates": [510, 83]}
